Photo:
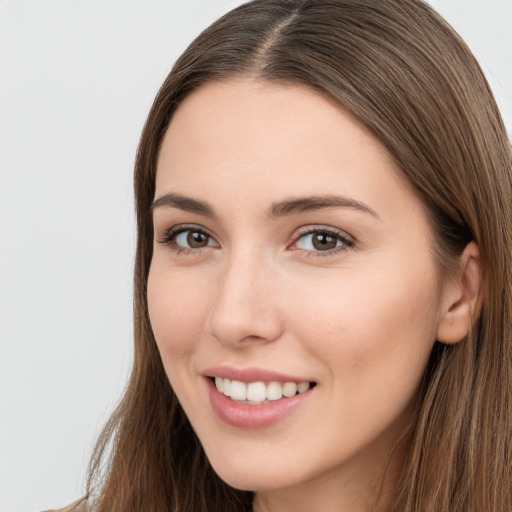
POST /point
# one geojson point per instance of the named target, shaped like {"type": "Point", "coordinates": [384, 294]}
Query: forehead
{"type": "Point", "coordinates": [232, 110]}
{"type": "Point", "coordinates": [268, 140]}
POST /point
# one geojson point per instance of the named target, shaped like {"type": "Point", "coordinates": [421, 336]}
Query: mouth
{"type": "Point", "coordinates": [259, 392]}
{"type": "Point", "coordinates": [254, 398]}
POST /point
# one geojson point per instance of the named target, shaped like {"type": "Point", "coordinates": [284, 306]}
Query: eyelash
{"type": "Point", "coordinates": [170, 236]}
{"type": "Point", "coordinates": [347, 242]}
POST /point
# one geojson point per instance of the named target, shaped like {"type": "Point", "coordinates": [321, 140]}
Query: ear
{"type": "Point", "coordinates": [462, 298]}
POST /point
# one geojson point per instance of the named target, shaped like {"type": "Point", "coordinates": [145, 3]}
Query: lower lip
{"type": "Point", "coordinates": [254, 416]}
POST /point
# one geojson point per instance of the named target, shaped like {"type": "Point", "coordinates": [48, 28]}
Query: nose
{"type": "Point", "coordinates": [245, 307]}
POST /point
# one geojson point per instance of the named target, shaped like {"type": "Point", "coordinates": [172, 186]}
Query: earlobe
{"type": "Point", "coordinates": [462, 298]}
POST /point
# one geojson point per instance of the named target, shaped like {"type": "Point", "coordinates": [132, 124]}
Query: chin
{"type": "Point", "coordinates": [245, 474]}
{"type": "Point", "coordinates": [252, 480]}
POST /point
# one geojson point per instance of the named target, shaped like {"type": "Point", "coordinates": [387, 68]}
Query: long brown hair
{"type": "Point", "coordinates": [404, 73]}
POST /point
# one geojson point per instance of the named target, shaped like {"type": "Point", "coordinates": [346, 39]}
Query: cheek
{"type": "Point", "coordinates": [371, 330]}
{"type": "Point", "coordinates": [176, 311]}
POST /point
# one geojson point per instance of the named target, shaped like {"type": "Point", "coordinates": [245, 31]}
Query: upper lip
{"type": "Point", "coordinates": [251, 374]}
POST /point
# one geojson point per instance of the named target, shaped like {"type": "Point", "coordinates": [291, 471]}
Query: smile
{"type": "Point", "coordinates": [256, 403]}
{"type": "Point", "coordinates": [257, 393]}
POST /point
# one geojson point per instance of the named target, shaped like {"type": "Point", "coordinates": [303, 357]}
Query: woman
{"type": "Point", "coordinates": [323, 279]}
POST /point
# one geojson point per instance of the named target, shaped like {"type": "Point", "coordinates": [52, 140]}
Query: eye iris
{"type": "Point", "coordinates": [324, 242]}
{"type": "Point", "coordinates": [196, 239]}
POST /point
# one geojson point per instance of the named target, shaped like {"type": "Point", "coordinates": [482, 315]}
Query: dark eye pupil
{"type": "Point", "coordinates": [195, 239]}
{"type": "Point", "coordinates": [323, 242]}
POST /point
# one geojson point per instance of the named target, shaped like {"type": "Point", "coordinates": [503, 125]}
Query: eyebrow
{"type": "Point", "coordinates": [313, 203]}
{"type": "Point", "coordinates": [187, 204]}
{"type": "Point", "coordinates": [283, 208]}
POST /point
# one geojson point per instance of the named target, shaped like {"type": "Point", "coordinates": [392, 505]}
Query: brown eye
{"type": "Point", "coordinates": [323, 241]}
{"type": "Point", "coordinates": [192, 239]}
{"type": "Point", "coordinates": [196, 239]}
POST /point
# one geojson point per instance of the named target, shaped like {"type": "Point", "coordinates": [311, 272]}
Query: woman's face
{"type": "Point", "coordinates": [288, 256]}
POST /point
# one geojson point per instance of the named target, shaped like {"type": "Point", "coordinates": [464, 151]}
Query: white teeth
{"type": "Point", "coordinates": [238, 390]}
{"type": "Point", "coordinates": [302, 387]}
{"type": "Point", "coordinates": [290, 389]}
{"type": "Point", "coordinates": [274, 391]}
{"type": "Point", "coordinates": [256, 393]}
{"type": "Point", "coordinates": [226, 387]}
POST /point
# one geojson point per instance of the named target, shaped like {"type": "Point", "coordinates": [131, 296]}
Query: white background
{"type": "Point", "coordinates": [77, 78]}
